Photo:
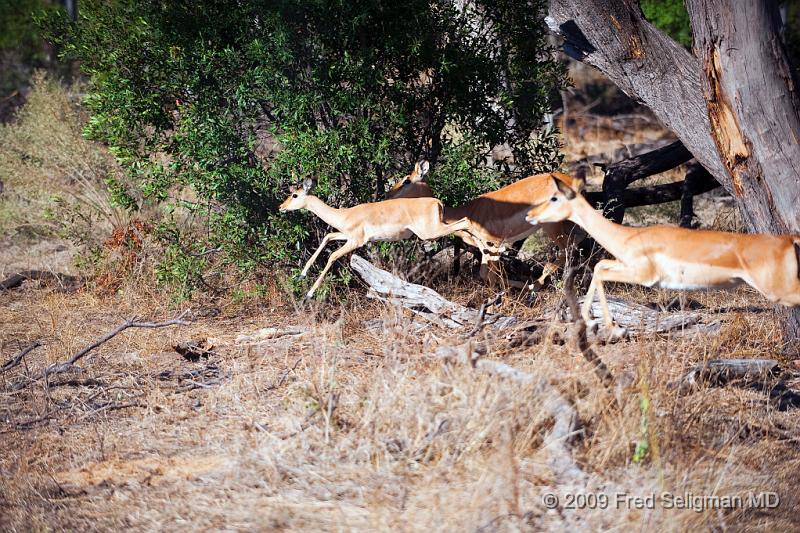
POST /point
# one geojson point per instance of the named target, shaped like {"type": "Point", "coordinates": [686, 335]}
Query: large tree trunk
{"type": "Point", "coordinates": [733, 104]}
{"type": "Point", "coordinates": [752, 105]}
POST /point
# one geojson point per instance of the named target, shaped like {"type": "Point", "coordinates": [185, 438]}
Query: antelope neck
{"type": "Point", "coordinates": [330, 215]}
{"type": "Point", "coordinates": [608, 234]}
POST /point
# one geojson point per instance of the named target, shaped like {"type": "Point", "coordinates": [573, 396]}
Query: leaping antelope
{"type": "Point", "coordinates": [497, 218]}
{"type": "Point", "coordinates": [390, 220]}
{"type": "Point", "coordinates": [675, 258]}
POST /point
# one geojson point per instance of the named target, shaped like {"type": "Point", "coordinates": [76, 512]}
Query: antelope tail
{"type": "Point", "coordinates": [796, 244]}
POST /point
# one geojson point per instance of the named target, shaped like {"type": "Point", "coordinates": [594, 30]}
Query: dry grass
{"type": "Point", "coordinates": [343, 429]}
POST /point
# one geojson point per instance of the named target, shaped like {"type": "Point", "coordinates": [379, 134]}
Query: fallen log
{"type": "Point", "coordinates": [267, 334]}
{"type": "Point", "coordinates": [638, 318]}
{"type": "Point", "coordinates": [421, 300]}
{"type": "Point", "coordinates": [721, 372]}
{"type": "Point", "coordinates": [66, 281]}
{"type": "Point", "coordinates": [763, 375]}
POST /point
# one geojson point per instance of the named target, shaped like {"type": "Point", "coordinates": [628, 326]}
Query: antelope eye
{"type": "Point", "coordinates": [294, 195]}
{"type": "Point", "coordinates": [554, 199]}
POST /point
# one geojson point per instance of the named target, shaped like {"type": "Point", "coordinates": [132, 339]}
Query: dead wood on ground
{"type": "Point", "coordinates": [65, 281]}
{"type": "Point", "coordinates": [639, 319]}
{"type": "Point", "coordinates": [17, 359]}
{"type": "Point", "coordinates": [59, 368]}
{"type": "Point", "coordinates": [421, 300]}
{"type": "Point", "coordinates": [563, 413]}
{"type": "Point", "coordinates": [759, 374]}
{"type": "Point", "coordinates": [588, 353]}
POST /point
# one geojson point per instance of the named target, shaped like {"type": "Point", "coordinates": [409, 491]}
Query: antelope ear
{"type": "Point", "coordinates": [579, 183]}
{"type": "Point", "coordinates": [308, 184]}
{"type": "Point", "coordinates": [564, 189]}
{"type": "Point", "coordinates": [422, 168]}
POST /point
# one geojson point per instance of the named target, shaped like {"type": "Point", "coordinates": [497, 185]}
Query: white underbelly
{"type": "Point", "coordinates": [693, 276]}
{"type": "Point", "coordinates": [397, 235]}
{"type": "Point", "coordinates": [685, 286]}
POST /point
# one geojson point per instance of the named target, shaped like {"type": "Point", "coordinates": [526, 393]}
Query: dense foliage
{"type": "Point", "coordinates": [216, 107]}
{"type": "Point", "coordinates": [671, 17]}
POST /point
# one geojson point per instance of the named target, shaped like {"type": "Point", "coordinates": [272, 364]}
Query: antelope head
{"type": "Point", "coordinates": [413, 185]}
{"type": "Point", "coordinates": [558, 205]}
{"type": "Point", "coordinates": [298, 196]}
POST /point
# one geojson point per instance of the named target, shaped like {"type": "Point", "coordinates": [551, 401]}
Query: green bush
{"type": "Point", "coordinates": [671, 17]}
{"type": "Point", "coordinates": [218, 106]}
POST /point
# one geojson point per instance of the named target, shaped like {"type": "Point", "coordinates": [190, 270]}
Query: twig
{"type": "Point", "coordinates": [589, 354]}
{"type": "Point", "coordinates": [111, 407]}
{"type": "Point", "coordinates": [480, 323]}
{"type": "Point", "coordinates": [59, 368]}
{"type": "Point", "coordinates": [18, 358]}
{"type": "Point", "coordinates": [285, 375]}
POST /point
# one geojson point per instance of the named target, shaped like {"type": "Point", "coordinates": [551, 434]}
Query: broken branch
{"type": "Point", "coordinates": [563, 414]}
{"type": "Point", "coordinates": [589, 354]}
{"type": "Point", "coordinates": [17, 359]}
{"type": "Point", "coordinates": [421, 300]}
{"type": "Point", "coordinates": [58, 368]}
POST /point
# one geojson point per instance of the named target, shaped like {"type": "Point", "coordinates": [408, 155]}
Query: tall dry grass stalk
{"type": "Point", "coordinates": [52, 176]}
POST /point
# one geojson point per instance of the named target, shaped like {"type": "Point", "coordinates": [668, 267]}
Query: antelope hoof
{"type": "Point", "coordinates": [301, 275]}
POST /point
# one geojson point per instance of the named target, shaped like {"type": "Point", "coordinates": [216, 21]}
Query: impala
{"type": "Point", "coordinates": [390, 220]}
{"type": "Point", "coordinates": [675, 258]}
{"type": "Point", "coordinates": [497, 218]}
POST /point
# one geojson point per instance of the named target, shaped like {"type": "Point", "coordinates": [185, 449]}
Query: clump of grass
{"type": "Point", "coordinates": [53, 178]}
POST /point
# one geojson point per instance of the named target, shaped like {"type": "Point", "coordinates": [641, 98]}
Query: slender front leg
{"type": "Point", "coordinates": [335, 236]}
{"type": "Point", "coordinates": [346, 248]}
{"type": "Point", "coordinates": [609, 270]}
{"type": "Point", "coordinates": [484, 272]}
{"type": "Point", "coordinates": [586, 310]}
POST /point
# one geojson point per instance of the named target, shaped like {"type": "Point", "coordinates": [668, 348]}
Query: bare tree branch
{"type": "Point", "coordinates": [589, 354]}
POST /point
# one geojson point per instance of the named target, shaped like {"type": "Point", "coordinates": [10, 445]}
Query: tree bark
{"type": "Point", "coordinates": [734, 104]}
{"type": "Point", "coordinates": [648, 66]}
{"type": "Point", "coordinates": [752, 104]}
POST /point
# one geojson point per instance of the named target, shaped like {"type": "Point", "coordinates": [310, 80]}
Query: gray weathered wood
{"type": "Point", "coordinates": [422, 300]}
{"type": "Point", "coordinates": [641, 319]}
{"type": "Point", "coordinates": [753, 105]}
{"type": "Point", "coordinates": [563, 413]}
{"type": "Point", "coordinates": [720, 372]}
{"type": "Point", "coordinates": [648, 66]}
